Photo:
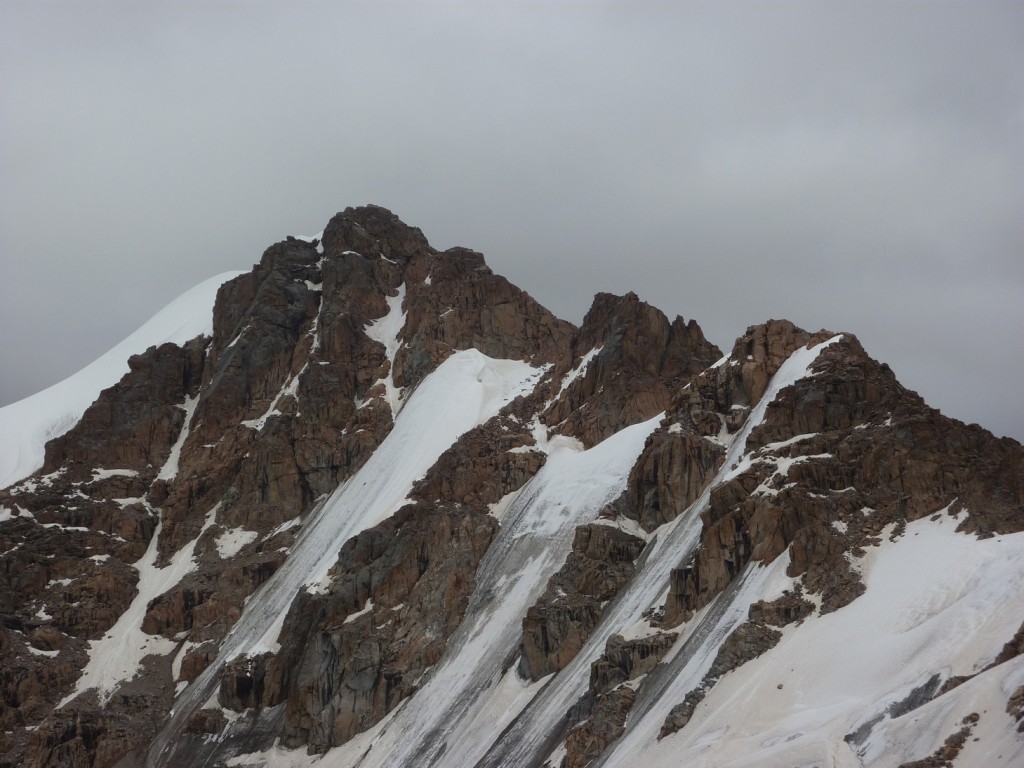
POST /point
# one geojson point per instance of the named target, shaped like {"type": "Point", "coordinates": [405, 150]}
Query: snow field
{"type": "Point", "coordinates": [935, 599]}
{"type": "Point", "coordinates": [116, 656]}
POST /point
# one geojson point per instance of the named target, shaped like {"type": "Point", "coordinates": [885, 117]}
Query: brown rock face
{"type": "Point", "coordinates": [80, 739]}
{"type": "Point", "coordinates": [643, 360]}
{"type": "Point", "coordinates": [628, 659]}
{"type": "Point", "coordinates": [746, 642]}
{"type": "Point", "coordinates": [397, 593]}
{"type": "Point", "coordinates": [790, 608]}
{"type": "Point", "coordinates": [483, 465]}
{"type": "Point", "coordinates": [557, 626]}
{"type": "Point", "coordinates": [603, 709]}
{"type": "Point", "coordinates": [588, 740]}
{"type": "Point", "coordinates": [1015, 707]}
{"type": "Point", "coordinates": [466, 306]}
{"type": "Point", "coordinates": [850, 439]}
{"type": "Point", "coordinates": [672, 472]}
{"type": "Point", "coordinates": [681, 713]}
{"type": "Point", "coordinates": [134, 423]}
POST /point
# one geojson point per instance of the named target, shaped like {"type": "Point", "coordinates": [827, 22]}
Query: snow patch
{"type": "Point", "coordinates": [579, 371]}
{"type": "Point", "coordinates": [103, 474]}
{"type": "Point", "coordinates": [386, 330]}
{"type": "Point", "coordinates": [289, 389]}
{"type": "Point", "coordinates": [365, 610]}
{"type": "Point", "coordinates": [116, 657]}
{"type": "Point", "coordinates": [170, 468]}
{"type": "Point", "coordinates": [231, 541]}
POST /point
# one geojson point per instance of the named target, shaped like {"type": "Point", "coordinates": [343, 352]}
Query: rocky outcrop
{"type": "Point", "coordinates": [670, 475]}
{"type": "Point", "coordinates": [353, 653]}
{"type": "Point", "coordinates": [746, 642]}
{"type": "Point", "coordinates": [792, 607]}
{"type": "Point", "coordinates": [78, 739]}
{"type": "Point", "coordinates": [207, 721]}
{"type": "Point", "coordinates": [845, 440]}
{"type": "Point", "coordinates": [559, 623]}
{"type": "Point", "coordinates": [643, 360]}
{"type": "Point", "coordinates": [133, 424]}
{"type": "Point", "coordinates": [601, 712]}
{"type": "Point", "coordinates": [588, 740]}
{"type": "Point", "coordinates": [456, 302]}
{"type": "Point", "coordinates": [485, 464]}
{"type": "Point", "coordinates": [1015, 707]}
{"type": "Point", "coordinates": [679, 716]}
{"type": "Point", "coordinates": [624, 660]}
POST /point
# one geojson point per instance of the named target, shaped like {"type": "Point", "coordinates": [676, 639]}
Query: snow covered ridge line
{"type": "Point", "coordinates": [27, 425]}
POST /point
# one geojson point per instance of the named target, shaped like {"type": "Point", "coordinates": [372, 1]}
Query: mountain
{"type": "Point", "coordinates": [380, 508]}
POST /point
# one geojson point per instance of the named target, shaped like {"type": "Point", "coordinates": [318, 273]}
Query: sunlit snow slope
{"type": "Point", "coordinates": [26, 426]}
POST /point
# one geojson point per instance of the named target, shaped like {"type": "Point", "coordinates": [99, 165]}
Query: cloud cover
{"type": "Point", "coordinates": [856, 167]}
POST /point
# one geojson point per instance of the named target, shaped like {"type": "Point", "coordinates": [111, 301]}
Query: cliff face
{"type": "Point", "coordinates": [394, 511]}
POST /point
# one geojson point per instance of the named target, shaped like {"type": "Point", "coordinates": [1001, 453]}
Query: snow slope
{"type": "Point", "coordinates": [26, 426]}
{"type": "Point", "coordinates": [526, 740]}
{"type": "Point", "coordinates": [935, 600]}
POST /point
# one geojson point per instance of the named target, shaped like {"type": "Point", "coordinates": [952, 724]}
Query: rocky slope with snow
{"type": "Point", "coordinates": [372, 505]}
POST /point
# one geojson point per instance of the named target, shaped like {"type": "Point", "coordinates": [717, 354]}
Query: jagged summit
{"type": "Point", "coordinates": [382, 508]}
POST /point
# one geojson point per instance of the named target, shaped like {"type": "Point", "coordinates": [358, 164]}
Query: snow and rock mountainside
{"type": "Point", "coordinates": [386, 510]}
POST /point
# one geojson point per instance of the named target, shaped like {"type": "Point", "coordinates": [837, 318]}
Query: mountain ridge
{"type": "Point", "coordinates": [501, 446]}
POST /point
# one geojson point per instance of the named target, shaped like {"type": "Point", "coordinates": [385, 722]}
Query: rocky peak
{"type": "Point", "coordinates": [630, 361]}
{"type": "Point", "coordinates": [373, 231]}
{"type": "Point", "coordinates": [641, 337]}
{"type": "Point", "coordinates": [226, 448]}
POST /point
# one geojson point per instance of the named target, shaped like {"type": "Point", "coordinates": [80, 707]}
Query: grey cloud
{"type": "Point", "coordinates": [855, 167]}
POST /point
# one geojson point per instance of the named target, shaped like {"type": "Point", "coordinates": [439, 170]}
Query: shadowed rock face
{"type": "Point", "coordinates": [397, 593]}
{"type": "Point", "coordinates": [643, 360]}
{"type": "Point", "coordinates": [556, 627]}
{"type": "Point", "coordinates": [222, 447]}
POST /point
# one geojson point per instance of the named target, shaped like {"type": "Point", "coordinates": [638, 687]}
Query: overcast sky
{"type": "Point", "coordinates": [856, 167]}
